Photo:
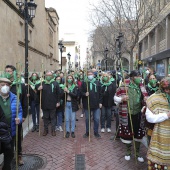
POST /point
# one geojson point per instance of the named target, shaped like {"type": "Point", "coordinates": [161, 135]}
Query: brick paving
{"type": "Point", "coordinates": [100, 154]}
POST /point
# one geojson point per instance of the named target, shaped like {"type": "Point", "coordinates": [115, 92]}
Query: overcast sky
{"type": "Point", "coordinates": [73, 16]}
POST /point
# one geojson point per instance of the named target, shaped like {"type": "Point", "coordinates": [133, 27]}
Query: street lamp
{"type": "Point", "coordinates": [69, 56]}
{"type": "Point", "coordinates": [106, 52]}
{"type": "Point", "coordinates": [61, 47]}
{"type": "Point", "coordinates": [27, 9]}
{"type": "Point", "coordinates": [119, 42]}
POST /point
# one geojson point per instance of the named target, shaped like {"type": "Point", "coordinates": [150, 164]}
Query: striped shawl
{"type": "Point", "coordinates": [159, 150]}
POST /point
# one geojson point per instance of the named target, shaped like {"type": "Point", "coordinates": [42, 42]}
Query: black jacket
{"type": "Point", "coordinates": [95, 97]}
{"type": "Point", "coordinates": [74, 95]}
{"type": "Point", "coordinates": [62, 101]}
{"type": "Point", "coordinates": [23, 98]}
{"type": "Point", "coordinates": [5, 136]}
{"type": "Point", "coordinates": [108, 94]}
{"type": "Point", "coordinates": [49, 97]}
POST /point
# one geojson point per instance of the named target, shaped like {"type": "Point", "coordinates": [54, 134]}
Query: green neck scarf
{"type": "Point", "coordinates": [92, 83]}
{"type": "Point", "coordinates": [71, 87]}
{"type": "Point", "coordinates": [106, 84]}
{"type": "Point", "coordinates": [62, 86]}
{"type": "Point", "coordinates": [153, 88]}
{"type": "Point", "coordinates": [17, 82]}
{"type": "Point", "coordinates": [134, 86]}
{"type": "Point", "coordinates": [168, 98]}
{"type": "Point", "coordinates": [112, 79]}
{"type": "Point", "coordinates": [33, 84]}
{"type": "Point", "coordinates": [50, 82]}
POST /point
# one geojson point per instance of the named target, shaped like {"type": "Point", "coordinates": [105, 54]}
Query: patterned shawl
{"type": "Point", "coordinates": [159, 150]}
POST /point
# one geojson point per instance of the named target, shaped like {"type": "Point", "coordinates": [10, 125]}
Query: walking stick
{"type": "Point", "coordinates": [17, 110]}
{"type": "Point", "coordinates": [129, 112]}
{"type": "Point", "coordinates": [40, 99]}
{"type": "Point", "coordinates": [88, 103]}
{"type": "Point", "coordinates": [65, 98]}
{"type": "Point", "coordinates": [28, 105]}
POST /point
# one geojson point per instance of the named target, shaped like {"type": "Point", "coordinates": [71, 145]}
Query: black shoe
{"type": "Point", "coordinates": [73, 135]}
{"type": "Point", "coordinates": [86, 135]}
{"type": "Point", "coordinates": [97, 135]}
{"type": "Point", "coordinates": [37, 128]}
{"type": "Point", "coordinates": [33, 129]}
{"type": "Point", "coordinates": [67, 135]}
{"type": "Point", "coordinates": [77, 120]}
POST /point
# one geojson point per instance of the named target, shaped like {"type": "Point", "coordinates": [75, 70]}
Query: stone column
{"type": "Point", "coordinates": [167, 33]}
{"type": "Point", "coordinates": [149, 45]}
{"type": "Point", "coordinates": [157, 39]}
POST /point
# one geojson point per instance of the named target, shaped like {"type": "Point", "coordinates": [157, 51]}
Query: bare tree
{"type": "Point", "coordinates": [130, 17]}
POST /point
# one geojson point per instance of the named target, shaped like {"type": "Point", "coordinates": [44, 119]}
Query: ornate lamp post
{"type": "Point", "coordinates": [27, 9]}
{"type": "Point", "coordinates": [61, 47]}
{"type": "Point", "coordinates": [119, 42]}
{"type": "Point", "coordinates": [106, 53]}
{"type": "Point", "coordinates": [69, 56]}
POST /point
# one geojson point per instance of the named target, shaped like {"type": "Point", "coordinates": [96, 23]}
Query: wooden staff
{"type": "Point", "coordinates": [17, 110]}
{"type": "Point", "coordinates": [129, 111]}
{"type": "Point", "coordinates": [40, 99]}
{"type": "Point", "coordinates": [88, 103]}
{"type": "Point", "coordinates": [65, 95]}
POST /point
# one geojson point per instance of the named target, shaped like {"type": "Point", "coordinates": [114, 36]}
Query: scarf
{"type": "Point", "coordinates": [106, 84]}
{"type": "Point", "coordinates": [33, 84]}
{"type": "Point", "coordinates": [92, 83]}
{"type": "Point", "coordinates": [50, 82]}
{"type": "Point", "coordinates": [134, 86]}
{"type": "Point", "coordinates": [153, 88]}
{"type": "Point", "coordinates": [62, 86]}
{"type": "Point", "coordinates": [71, 87]}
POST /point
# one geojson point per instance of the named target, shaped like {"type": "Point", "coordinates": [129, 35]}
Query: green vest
{"type": "Point", "coordinates": [6, 107]}
{"type": "Point", "coordinates": [134, 101]}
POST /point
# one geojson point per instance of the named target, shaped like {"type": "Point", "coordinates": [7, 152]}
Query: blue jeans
{"type": "Point", "coordinates": [96, 117]}
{"type": "Point", "coordinates": [70, 116]}
{"type": "Point", "coordinates": [59, 118]}
{"type": "Point", "coordinates": [106, 116]}
{"type": "Point", "coordinates": [35, 110]}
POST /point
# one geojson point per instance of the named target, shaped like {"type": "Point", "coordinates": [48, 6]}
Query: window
{"type": "Point", "coordinates": [50, 38]}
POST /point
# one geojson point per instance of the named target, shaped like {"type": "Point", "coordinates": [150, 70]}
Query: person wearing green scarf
{"type": "Point", "coordinates": [108, 91]}
{"type": "Point", "coordinates": [151, 88]}
{"type": "Point", "coordinates": [34, 101]}
{"type": "Point", "coordinates": [95, 102]}
{"type": "Point", "coordinates": [50, 101]}
{"type": "Point", "coordinates": [71, 105]}
{"type": "Point", "coordinates": [158, 112]}
{"type": "Point", "coordinates": [60, 109]}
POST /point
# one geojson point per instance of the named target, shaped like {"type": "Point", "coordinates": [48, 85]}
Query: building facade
{"type": "Point", "coordinates": [154, 42]}
{"type": "Point", "coordinates": [42, 36]}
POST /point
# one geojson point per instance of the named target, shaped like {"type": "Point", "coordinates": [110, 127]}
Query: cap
{"type": "Point", "coordinates": [5, 80]}
{"type": "Point", "coordinates": [134, 73]}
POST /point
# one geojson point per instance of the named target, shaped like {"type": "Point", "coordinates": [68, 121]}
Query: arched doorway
{"type": "Point", "coordinates": [110, 64]}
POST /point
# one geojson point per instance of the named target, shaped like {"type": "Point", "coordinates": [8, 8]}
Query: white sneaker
{"type": "Point", "coordinates": [140, 159]}
{"type": "Point", "coordinates": [81, 115]}
{"type": "Point", "coordinates": [60, 129]}
{"type": "Point", "coordinates": [127, 158]}
{"type": "Point", "coordinates": [102, 130]}
{"type": "Point", "coordinates": [108, 130]}
{"type": "Point", "coordinates": [56, 128]}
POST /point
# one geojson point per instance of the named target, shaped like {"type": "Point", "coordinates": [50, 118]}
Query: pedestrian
{"type": "Point", "coordinates": [50, 101]}
{"type": "Point", "coordinates": [108, 89]}
{"type": "Point", "coordinates": [136, 94]}
{"type": "Point", "coordinates": [34, 101]}
{"type": "Point", "coordinates": [157, 112]}
{"type": "Point", "coordinates": [8, 121]}
{"type": "Point", "coordinates": [79, 84]}
{"type": "Point", "coordinates": [60, 109]}
{"type": "Point", "coordinates": [151, 88]}
{"type": "Point", "coordinates": [71, 105]}
{"type": "Point", "coordinates": [11, 74]}
{"type": "Point", "coordinates": [95, 102]}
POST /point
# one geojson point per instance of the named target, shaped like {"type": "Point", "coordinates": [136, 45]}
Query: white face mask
{"type": "Point", "coordinates": [90, 77]}
{"type": "Point", "coordinates": [5, 89]}
{"type": "Point", "coordinates": [147, 72]}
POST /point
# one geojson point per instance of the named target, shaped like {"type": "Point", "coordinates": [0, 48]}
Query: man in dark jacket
{"type": "Point", "coordinates": [95, 100]}
{"type": "Point", "coordinates": [10, 72]}
{"type": "Point", "coordinates": [50, 101]}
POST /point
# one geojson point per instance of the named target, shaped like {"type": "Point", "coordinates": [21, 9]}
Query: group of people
{"type": "Point", "coordinates": [143, 104]}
